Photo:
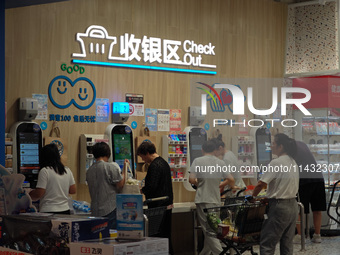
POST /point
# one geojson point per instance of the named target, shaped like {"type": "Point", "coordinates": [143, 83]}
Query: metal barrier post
{"type": "Point", "coordinates": [146, 225]}
{"type": "Point", "coordinates": [302, 225]}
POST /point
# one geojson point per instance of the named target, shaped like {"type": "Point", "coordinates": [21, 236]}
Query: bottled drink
{"type": "Point", "coordinates": [184, 149]}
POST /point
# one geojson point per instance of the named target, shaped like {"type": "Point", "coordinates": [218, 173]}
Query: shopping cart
{"type": "Point", "coordinates": [226, 199]}
{"type": "Point", "coordinates": [238, 225]}
{"type": "Point", "coordinates": [334, 204]}
{"type": "Point", "coordinates": [153, 217]}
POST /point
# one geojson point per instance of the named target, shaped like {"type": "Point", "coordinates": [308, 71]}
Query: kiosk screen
{"type": "Point", "coordinates": [122, 149]}
{"type": "Point", "coordinates": [263, 147]}
{"type": "Point", "coordinates": [29, 140]}
{"type": "Point", "coordinates": [197, 136]}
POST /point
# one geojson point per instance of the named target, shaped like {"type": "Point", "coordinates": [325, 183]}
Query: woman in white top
{"type": "Point", "coordinates": [55, 182]}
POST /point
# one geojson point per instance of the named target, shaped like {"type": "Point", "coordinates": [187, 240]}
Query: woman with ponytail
{"type": "Point", "coordinates": [282, 178]}
{"type": "Point", "coordinates": [55, 182]}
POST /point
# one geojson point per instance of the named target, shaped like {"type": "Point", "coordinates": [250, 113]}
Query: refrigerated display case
{"type": "Point", "coordinates": [321, 132]}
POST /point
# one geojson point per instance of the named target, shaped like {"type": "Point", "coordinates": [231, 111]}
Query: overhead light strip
{"type": "Point", "coordinates": [110, 64]}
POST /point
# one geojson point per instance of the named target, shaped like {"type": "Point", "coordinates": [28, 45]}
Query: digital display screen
{"type": "Point", "coordinates": [29, 153]}
{"type": "Point", "coordinates": [196, 139]}
{"type": "Point", "coordinates": [28, 144]}
{"type": "Point", "coordinates": [122, 149]}
{"type": "Point", "coordinates": [263, 155]}
{"type": "Point", "coordinates": [263, 149]}
{"type": "Point", "coordinates": [120, 107]}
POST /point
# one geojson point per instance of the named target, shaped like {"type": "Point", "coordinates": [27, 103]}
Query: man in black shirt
{"type": "Point", "coordinates": [158, 183]}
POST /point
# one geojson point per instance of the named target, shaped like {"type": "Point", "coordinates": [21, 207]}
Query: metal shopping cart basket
{"type": "Point", "coordinates": [238, 226]}
{"type": "Point", "coordinates": [334, 203]}
{"type": "Point", "coordinates": [226, 199]}
{"type": "Point", "coordinates": [153, 217]}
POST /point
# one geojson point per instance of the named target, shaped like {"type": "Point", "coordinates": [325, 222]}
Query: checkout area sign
{"type": "Point", "coordinates": [152, 50]}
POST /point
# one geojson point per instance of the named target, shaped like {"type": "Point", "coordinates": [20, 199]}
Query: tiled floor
{"type": "Point", "coordinates": [328, 246]}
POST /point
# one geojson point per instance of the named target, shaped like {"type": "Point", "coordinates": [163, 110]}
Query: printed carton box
{"type": "Point", "coordinates": [109, 246]}
{"type": "Point", "coordinates": [130, 219]}
{"type": "Point", "coordinates": [8, 251]}
{"type": "Point", "coordinates": [76, 229]}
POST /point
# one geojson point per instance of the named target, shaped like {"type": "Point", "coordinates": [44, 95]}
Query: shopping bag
{"type": "Point", "coordinates": [59, 141]}
{"type": "Point", "coordinates": [131, 185]}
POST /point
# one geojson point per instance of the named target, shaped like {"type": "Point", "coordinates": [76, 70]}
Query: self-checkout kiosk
{"type": "Point", "coordinates": [27, 142]}
{"type": "Point", "coordinates": [262, 148]}
{"type": "Point", "coordinates": [196, 136]}
{"type": "Point", "coordinates": [120, 136]}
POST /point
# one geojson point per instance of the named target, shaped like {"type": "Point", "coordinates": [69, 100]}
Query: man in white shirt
{"type": "Point", "coordinates": [205, 175]}
{"type": "Point", "coordinates": [282, 178]}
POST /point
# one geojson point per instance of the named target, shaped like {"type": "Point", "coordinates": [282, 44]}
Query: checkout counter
{"type": "Point", "coordinates": [184, 228]}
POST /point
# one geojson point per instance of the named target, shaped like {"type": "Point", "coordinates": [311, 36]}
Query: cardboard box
{"type": "Point", "coordinates": [7, 251]}
{"type": "Point", "coordinates": [108, 246]}
{"type": "Point", "coordinates": [76, 229]}
{"type": "Point", "coordinates": [130, 219]}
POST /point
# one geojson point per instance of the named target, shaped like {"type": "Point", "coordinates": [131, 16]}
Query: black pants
{"type": "Point", "coordinates": [166, 229]}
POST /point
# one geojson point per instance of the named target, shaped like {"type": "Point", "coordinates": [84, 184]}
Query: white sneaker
{"type": "Point", "coordinates": [297, 239]}
{"type": "Point", "coordinates": [316, 238]}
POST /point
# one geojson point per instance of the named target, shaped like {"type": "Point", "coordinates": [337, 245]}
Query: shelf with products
{"type": "Point", "coordinates": [243, 148]}
{"type": "Point", "coordinates": [8, 153]}
{"type": "Point", "coordinates": [322, 149]}
{"type": "Point", "coordinates": [174, 150]}
{"type": "Point", "coordinates": [322, 135]}
{"type": "Point", "coordinates": [321, 132]}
